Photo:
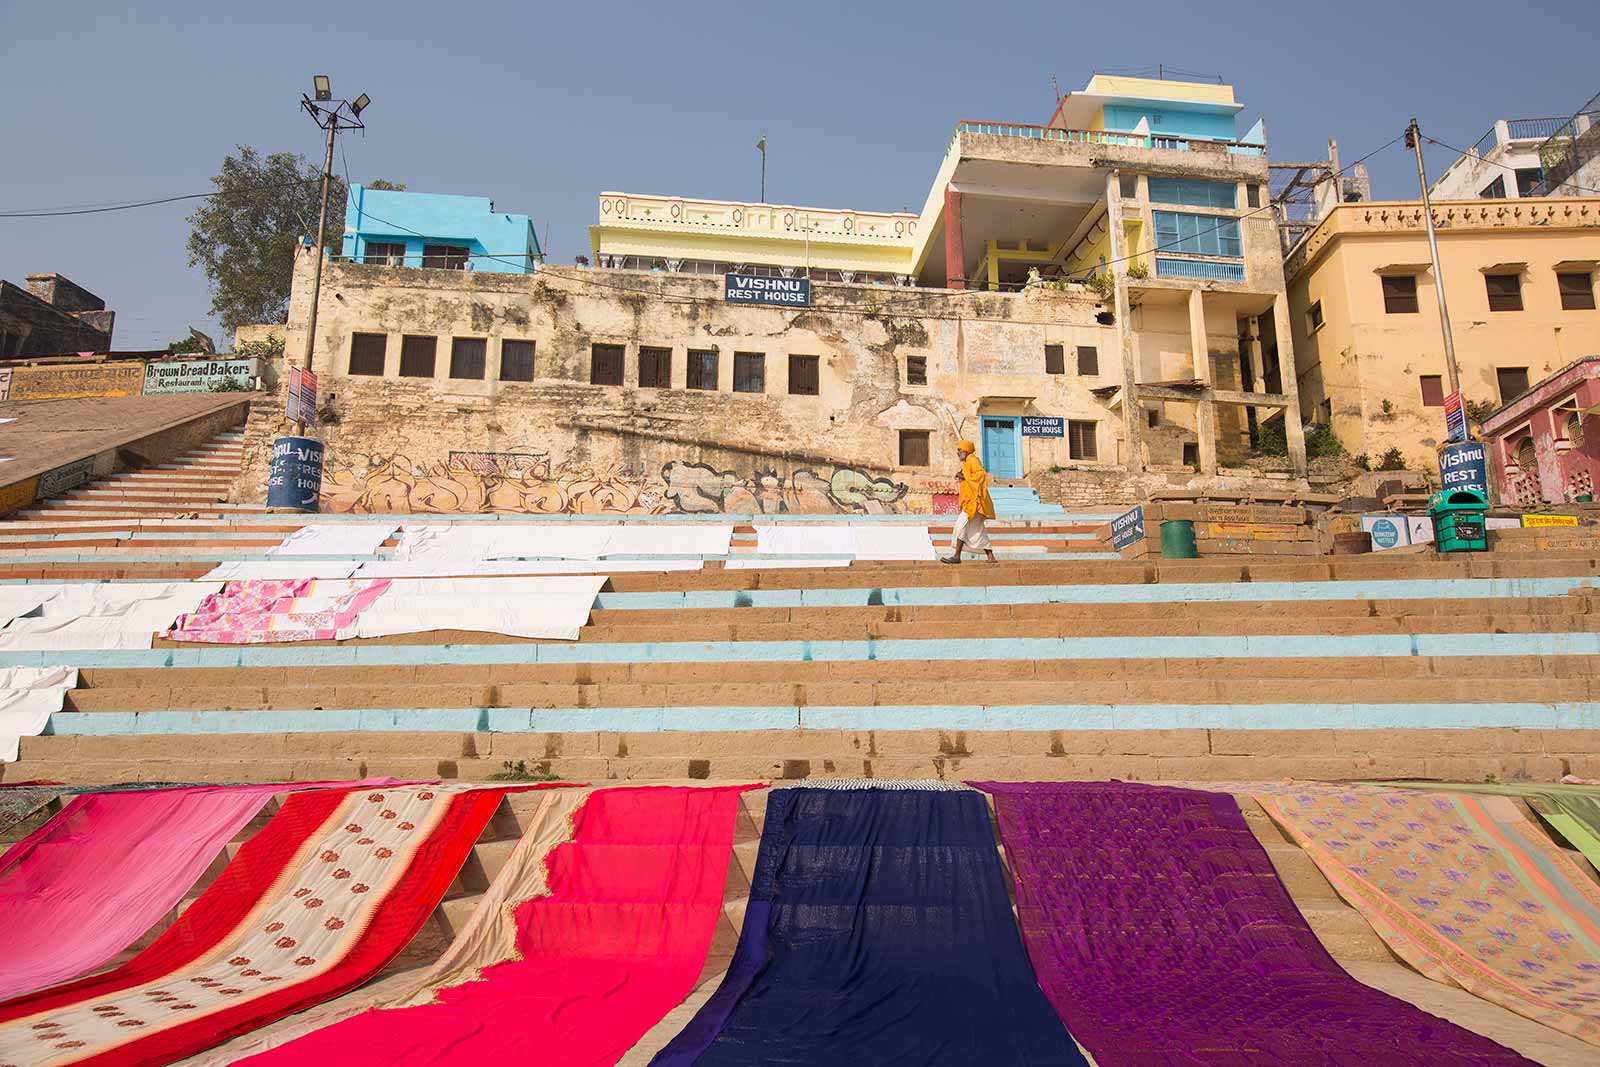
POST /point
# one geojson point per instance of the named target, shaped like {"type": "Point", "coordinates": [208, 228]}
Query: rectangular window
{"type": "Point", "coordinates": [416, 356]}
{"type": "Point", "coordinates": [467, 357]}
{"type": "Point", "coordinates": [1314, 316]}
{"type": "Point", "coordinates": [1252, 196]}
{"type": "Point", "coordinates": [367, 353]}
{"type": "Point", "coordinates": [913, 448]}
{"type": "Point", "coordinates": [1152, 417]}
{"type": "Point", "coordinates": [803, 376]}
{"type": "Point", "coordinates": [749, 372]}
{"type": "Point", "coordinates": [384, 254]}
{"type": "Point", "coordinates": [702, 370]}
{"type": "Point", "coordinates": [655, 368]}
{"type": "Point", "coordinates": [1432, 391]}
{"type": "Point", "coordinates": [1495, 190]}
{"type": "Point", "coordinates": [1080, 440]}
{"type": "Point", "coordinates": [916, 370]}
{"type": "Point", "coordinates": [1128, 184]}
{"type": "Point", "coordinates": [1577, 291]}
{"type": "Point", "coordinates": [1055, 360]}
{"type": "Point", "coordinates": [1400, 294]}
{"type": "Point", "coordinates": [516, 361]}
{"type": "Point", "coordinates": [1191, 193]}
{"type": "Point", "coordinates": [1513, 382]}
{"type": "Point", "coordinates": [1505, 291]}
{"type": "Point", "coordinates": [605, 364]}
{"type": "Point", "coordinates": [447, 257]}
{"type": "Point", "coordinates": [1201, 235]}
{"type": "Point", "coordinates": [1088, 361]}
{"type": "Point", "coordinates": [1528, 180]}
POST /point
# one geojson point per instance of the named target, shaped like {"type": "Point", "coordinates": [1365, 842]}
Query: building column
{"type": "Point", "coordinates": [1258, 366]}
{"type": "Point", "coordinates": [1132, 411]}
{"type": "Point", "coordinates": [1288, 370]}
{"type": "Point", "coordinates": [955, 250]}
{"type": "Point", "coordinates": [1206, 420]}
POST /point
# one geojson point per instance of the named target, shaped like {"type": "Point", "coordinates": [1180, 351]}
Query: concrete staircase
{"type": "Point", "coordinates": [1021, 502]}
{"type": "Point", "coordinates": [195, 483]}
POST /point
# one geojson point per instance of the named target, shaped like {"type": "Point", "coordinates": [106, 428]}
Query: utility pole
{"type": "Point", "coordinates": [333, 120]}
{"type": "Point", "coordinates": [1414, 142]}
{"type": "Point", "coordinates": [762, 145]}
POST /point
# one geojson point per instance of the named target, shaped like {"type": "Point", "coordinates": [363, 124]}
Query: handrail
{"type": "Point", "coordinates": [1111, 137]}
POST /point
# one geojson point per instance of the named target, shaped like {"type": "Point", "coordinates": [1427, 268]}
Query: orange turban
{"type": "Point", "coordinates": [966, 446]}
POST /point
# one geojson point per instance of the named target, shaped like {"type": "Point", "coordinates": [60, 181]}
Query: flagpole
{"type": "Point", "coordinates": [762, 145]}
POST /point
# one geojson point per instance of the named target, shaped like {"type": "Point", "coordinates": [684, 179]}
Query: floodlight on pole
{"type": "Point", "coordinates": [322, 85]}
{"type": "Point", "coordinates": [359, 104]}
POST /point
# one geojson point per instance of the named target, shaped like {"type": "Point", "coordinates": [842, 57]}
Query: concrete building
{"type": "Point", "coordinates": [1136, 190]}
{"type": "Point", "coordinates": [1503, 164]}
{"type": "Point", "coordinates": [1571, 155]}
{"type": "Point", "coordinates": [52, 316]}
{"type": "Point", "coordinates": [1544, 446]}
{"type": "Point", "coordinates": [394, 228]}
{"type": "Point", "coordinates": [1102, 307]}
{"type": "Point", "coordinates": [1520, 283]}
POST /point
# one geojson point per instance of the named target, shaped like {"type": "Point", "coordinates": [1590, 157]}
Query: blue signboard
{"type": "Point", "coordinates": [1043, 426]}
{"type": "Point", "coordinates": [1464, 466]}
{"type": "Point", "coordinates": [1455, 417]}
{"type": "Point", "coordinates": [1127, 529]}
{"type": "Point", "coordinates": [750, 289]}
{"type": "Point", "coordinates": [296, 477]}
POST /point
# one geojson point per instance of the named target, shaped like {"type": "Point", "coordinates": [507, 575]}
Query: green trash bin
{"type": "Point", "coordinates": [1177, 539]}
{"type": "Point", "coordinates": [1459, 520]}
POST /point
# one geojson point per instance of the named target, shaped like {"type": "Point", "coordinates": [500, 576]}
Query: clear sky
{"type": "Point", "coordinates": [543, 105]}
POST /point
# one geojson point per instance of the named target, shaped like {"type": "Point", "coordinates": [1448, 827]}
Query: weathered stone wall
{"type": "Point", "coordinates": [560, 444]}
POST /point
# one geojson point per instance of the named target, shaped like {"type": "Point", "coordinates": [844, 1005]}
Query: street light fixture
{"type": "Point", "coordinates": [323, 86]}
{"type": "Point", "coordinates": [359, 104]}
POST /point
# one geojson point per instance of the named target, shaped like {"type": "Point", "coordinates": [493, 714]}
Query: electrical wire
{"type": "Point", "coordinates": [1504, 166]}
{"type": "Point", "coordinates": [57, 212]}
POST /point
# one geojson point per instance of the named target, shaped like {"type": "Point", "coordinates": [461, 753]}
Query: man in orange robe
{"type": "Point", "coordinates": [976, 507]}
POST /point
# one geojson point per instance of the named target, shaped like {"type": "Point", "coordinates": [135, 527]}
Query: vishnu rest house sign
{"type": "Point", "coordinates": [750, 289]}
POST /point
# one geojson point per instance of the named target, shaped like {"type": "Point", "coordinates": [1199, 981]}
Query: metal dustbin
{"type": "Point", "coordinates": [1459, 520]}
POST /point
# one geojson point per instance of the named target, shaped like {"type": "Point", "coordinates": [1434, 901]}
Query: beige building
{"type": "Point", "coordinates": [1520, 283]}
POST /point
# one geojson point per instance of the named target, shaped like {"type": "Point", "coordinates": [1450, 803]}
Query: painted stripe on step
{"type": "Point", "coordinates": [1449, 716]}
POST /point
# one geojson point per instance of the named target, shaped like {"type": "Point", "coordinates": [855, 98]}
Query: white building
{"type": "Point", "coordinates": [1504, 164]}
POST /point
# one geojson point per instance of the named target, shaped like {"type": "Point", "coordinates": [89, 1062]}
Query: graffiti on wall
{"type": "Point", "coordinates": [527, 482]}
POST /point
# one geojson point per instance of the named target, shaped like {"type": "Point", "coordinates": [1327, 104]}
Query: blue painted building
{"type": "Point", "coordinates": [405, 229]}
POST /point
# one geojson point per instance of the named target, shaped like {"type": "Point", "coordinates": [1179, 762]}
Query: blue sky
{"type": "Point", "coordinates": [541, 106]}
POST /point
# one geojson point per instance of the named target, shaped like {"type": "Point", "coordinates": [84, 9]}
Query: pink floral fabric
{"type": "Point", "coordinates": [252, 612]}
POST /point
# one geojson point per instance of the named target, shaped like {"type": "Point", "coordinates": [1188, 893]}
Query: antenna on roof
{"type": "Point", "coordinates": [1056, 88]}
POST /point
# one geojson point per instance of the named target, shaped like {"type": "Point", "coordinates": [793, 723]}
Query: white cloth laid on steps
{"type": "Point", "coordinates": [467, 568]}
{"type": "Point", "coordinates": [105, 615]}
{"type": "Point", "coordinates": [335, 539]}
{"type": "Point", "coordinates": [509, 540]}
{"type": "Point", "coordinates": [28, 697]}
{"type": "Point", "coordinates": [260, 570]}
{"type": "Point", "coordinates": [864, 541]}
{"type": "Point", "coordinates": [549, 608]}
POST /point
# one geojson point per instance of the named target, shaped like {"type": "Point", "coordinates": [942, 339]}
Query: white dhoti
{"type": "Point", "coordinates": [970, 532]}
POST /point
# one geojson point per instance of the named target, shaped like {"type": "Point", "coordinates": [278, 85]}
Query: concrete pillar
{"type": "Point", "coordinates": [1132, 411]}
{"type": "Point", "coordinates": [1206, 420]}
{"type": "Point", "coordinates": [955, 250]}
{"type": "Point", "coordinates": [1293, 430]}
{"type": "Point", "coordinates": [1258, 366]}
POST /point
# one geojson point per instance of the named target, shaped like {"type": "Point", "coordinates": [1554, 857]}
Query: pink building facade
{"type": "Point", "coordinates": [1544, 446]}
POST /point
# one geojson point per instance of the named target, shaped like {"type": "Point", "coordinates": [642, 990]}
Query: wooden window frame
{"type": "Point", "coordinates": [1579, 296]}
{"type": "Point", "coordinates": [743, 362]}
{"type": "Point", "coordinates": [1092, 370]}
{"type": "Point", "coordinates": [1078, 435]}
{"type": "Point", "coordinates": [409, 361]}
{"type": "Point", "coordinates": [1055, 359]}
{"type": "Point", "coordinates": [446, 257]}
{"type": "Point", "coordinates": [916, 370]}
{"type": "Point", "coordinates": [700, 361]}
{"type": "Point", "coordinates": [532, 351]}
{"type": "Point", "coordinates": [911, 442]}
{"type": "Point", "coordinates": [1399, 301]}
{"type": "Point", "coordinates": [360, 361]}
{"type": "Point", "coordinates": [462, 357]}
{"type": "Point", "coordinates": [655, 367]}
{"type": "Point", "coordinates": [1504, 299]}
{"type": "Point", "coordinates": [1431, 397]}
{"type": "Point", "coordinates": [607, 364]}
{"type": "Point", "coordinates": [814, 363]}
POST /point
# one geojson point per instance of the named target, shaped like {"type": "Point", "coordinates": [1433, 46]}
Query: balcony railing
{"type": "Point", "coordinates": [1170, 267]}
{"type": "Point", "coordinates": [1516, 130]}
{"type": "Point", "coordinates": [1111, 137]}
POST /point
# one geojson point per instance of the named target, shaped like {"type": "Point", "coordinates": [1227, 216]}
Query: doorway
{"type": "Point", "coordinates": [1002, 446]}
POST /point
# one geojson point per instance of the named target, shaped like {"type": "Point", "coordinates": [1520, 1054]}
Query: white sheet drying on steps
{"type": "Point", "coordinates": [245, 570]}
{"type": "Point", "coordinates": [550, 608]}
{"type": "Point", "coordinates": [575, 541]}
{"type": "Point", "coordinates": [18, 600]}
{"type": "Point", "coordinates": [795, 562]}
{"type": "Point", "coordinates": [861, 542]}
{"type": "Point", "coordinates": [335, 539]}
{"type": "Point", "coordinates": [104, 615]}
{"type": "Point", "coordinates": [466, 568]}
{"type": "Point", "coordinates": [28, 697]}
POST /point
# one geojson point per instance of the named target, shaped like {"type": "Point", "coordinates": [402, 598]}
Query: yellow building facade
{"type": "Point", "coordinates": [1519, 280]}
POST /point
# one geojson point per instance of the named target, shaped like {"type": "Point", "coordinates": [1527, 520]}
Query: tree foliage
{"type": "Point", "coordinates": [386, 184]}
{"type": "Point", "coordinates": [244, 237]}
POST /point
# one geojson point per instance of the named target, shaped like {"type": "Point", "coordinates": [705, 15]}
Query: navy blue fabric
{"type": "Point", "coordinates": [878, 933]}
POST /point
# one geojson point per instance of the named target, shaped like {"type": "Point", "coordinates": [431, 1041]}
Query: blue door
{"type": "Point", "coordinates": [1001, 456]}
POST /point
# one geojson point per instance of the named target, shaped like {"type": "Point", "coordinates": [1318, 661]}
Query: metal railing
{"type": "Point", "coordinates": [1532, 129]}
{"type": "Point", "coordinates": [1111, 137]}
{"type": "Point", "coordinates": [1170, 267]}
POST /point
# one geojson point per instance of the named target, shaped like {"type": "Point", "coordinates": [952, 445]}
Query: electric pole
{"type": "Point", "coordinates": [1414, 142]}
{"type": "Point", "coordinates": [332, 119]}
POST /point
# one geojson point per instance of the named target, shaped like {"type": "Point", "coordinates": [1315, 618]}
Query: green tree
{"type": "Point", "coordinates": [387, 185]}
{"type": "Point", "coordinates": [244, 237]}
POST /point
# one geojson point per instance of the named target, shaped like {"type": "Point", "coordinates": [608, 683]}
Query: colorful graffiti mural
{"type": "Point", "coordinates": [527, 482]}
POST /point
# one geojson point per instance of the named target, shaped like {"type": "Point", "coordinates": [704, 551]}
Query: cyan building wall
{"type": "Point", "coordinates": [499, 243]}
{"type": "Point", "coordinates": [1174, 121]}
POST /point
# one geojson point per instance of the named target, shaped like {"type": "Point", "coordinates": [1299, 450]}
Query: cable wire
{"type": "Point", "coordinates": [57, 212]}
{"type": "Point", "coordinates": [1506, 166]}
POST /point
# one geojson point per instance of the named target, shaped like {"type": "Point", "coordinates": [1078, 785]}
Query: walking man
{"type": "Point", "coordinates": [975, 504]}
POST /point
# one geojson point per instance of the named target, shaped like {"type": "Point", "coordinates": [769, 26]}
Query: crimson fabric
{"type": "Point", "coordinates": [634, 901]}
{"type": "Point", "coordinates": [1161, 933]}
{"type": "Point", "coordinates": [878, 932]}
{"type": "Point", "coordinates": [221, 910]}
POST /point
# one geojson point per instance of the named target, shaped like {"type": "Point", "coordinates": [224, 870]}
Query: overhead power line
{"type": "Point", "coordinates": [45, 213]}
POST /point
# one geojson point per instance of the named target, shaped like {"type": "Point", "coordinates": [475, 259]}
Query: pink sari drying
{"type": "Point", "coordinates": [634, 899]}
{"type": "Point", "coordinates": [91, 881]}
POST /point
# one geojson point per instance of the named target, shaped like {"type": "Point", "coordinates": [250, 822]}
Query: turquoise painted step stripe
{"type": "Point", "coordinates": [1566, 716]}
{"type": "Point", "coordinates": [1177, 592]}
{"type": "Point", "coordinates": [1209, 647]}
